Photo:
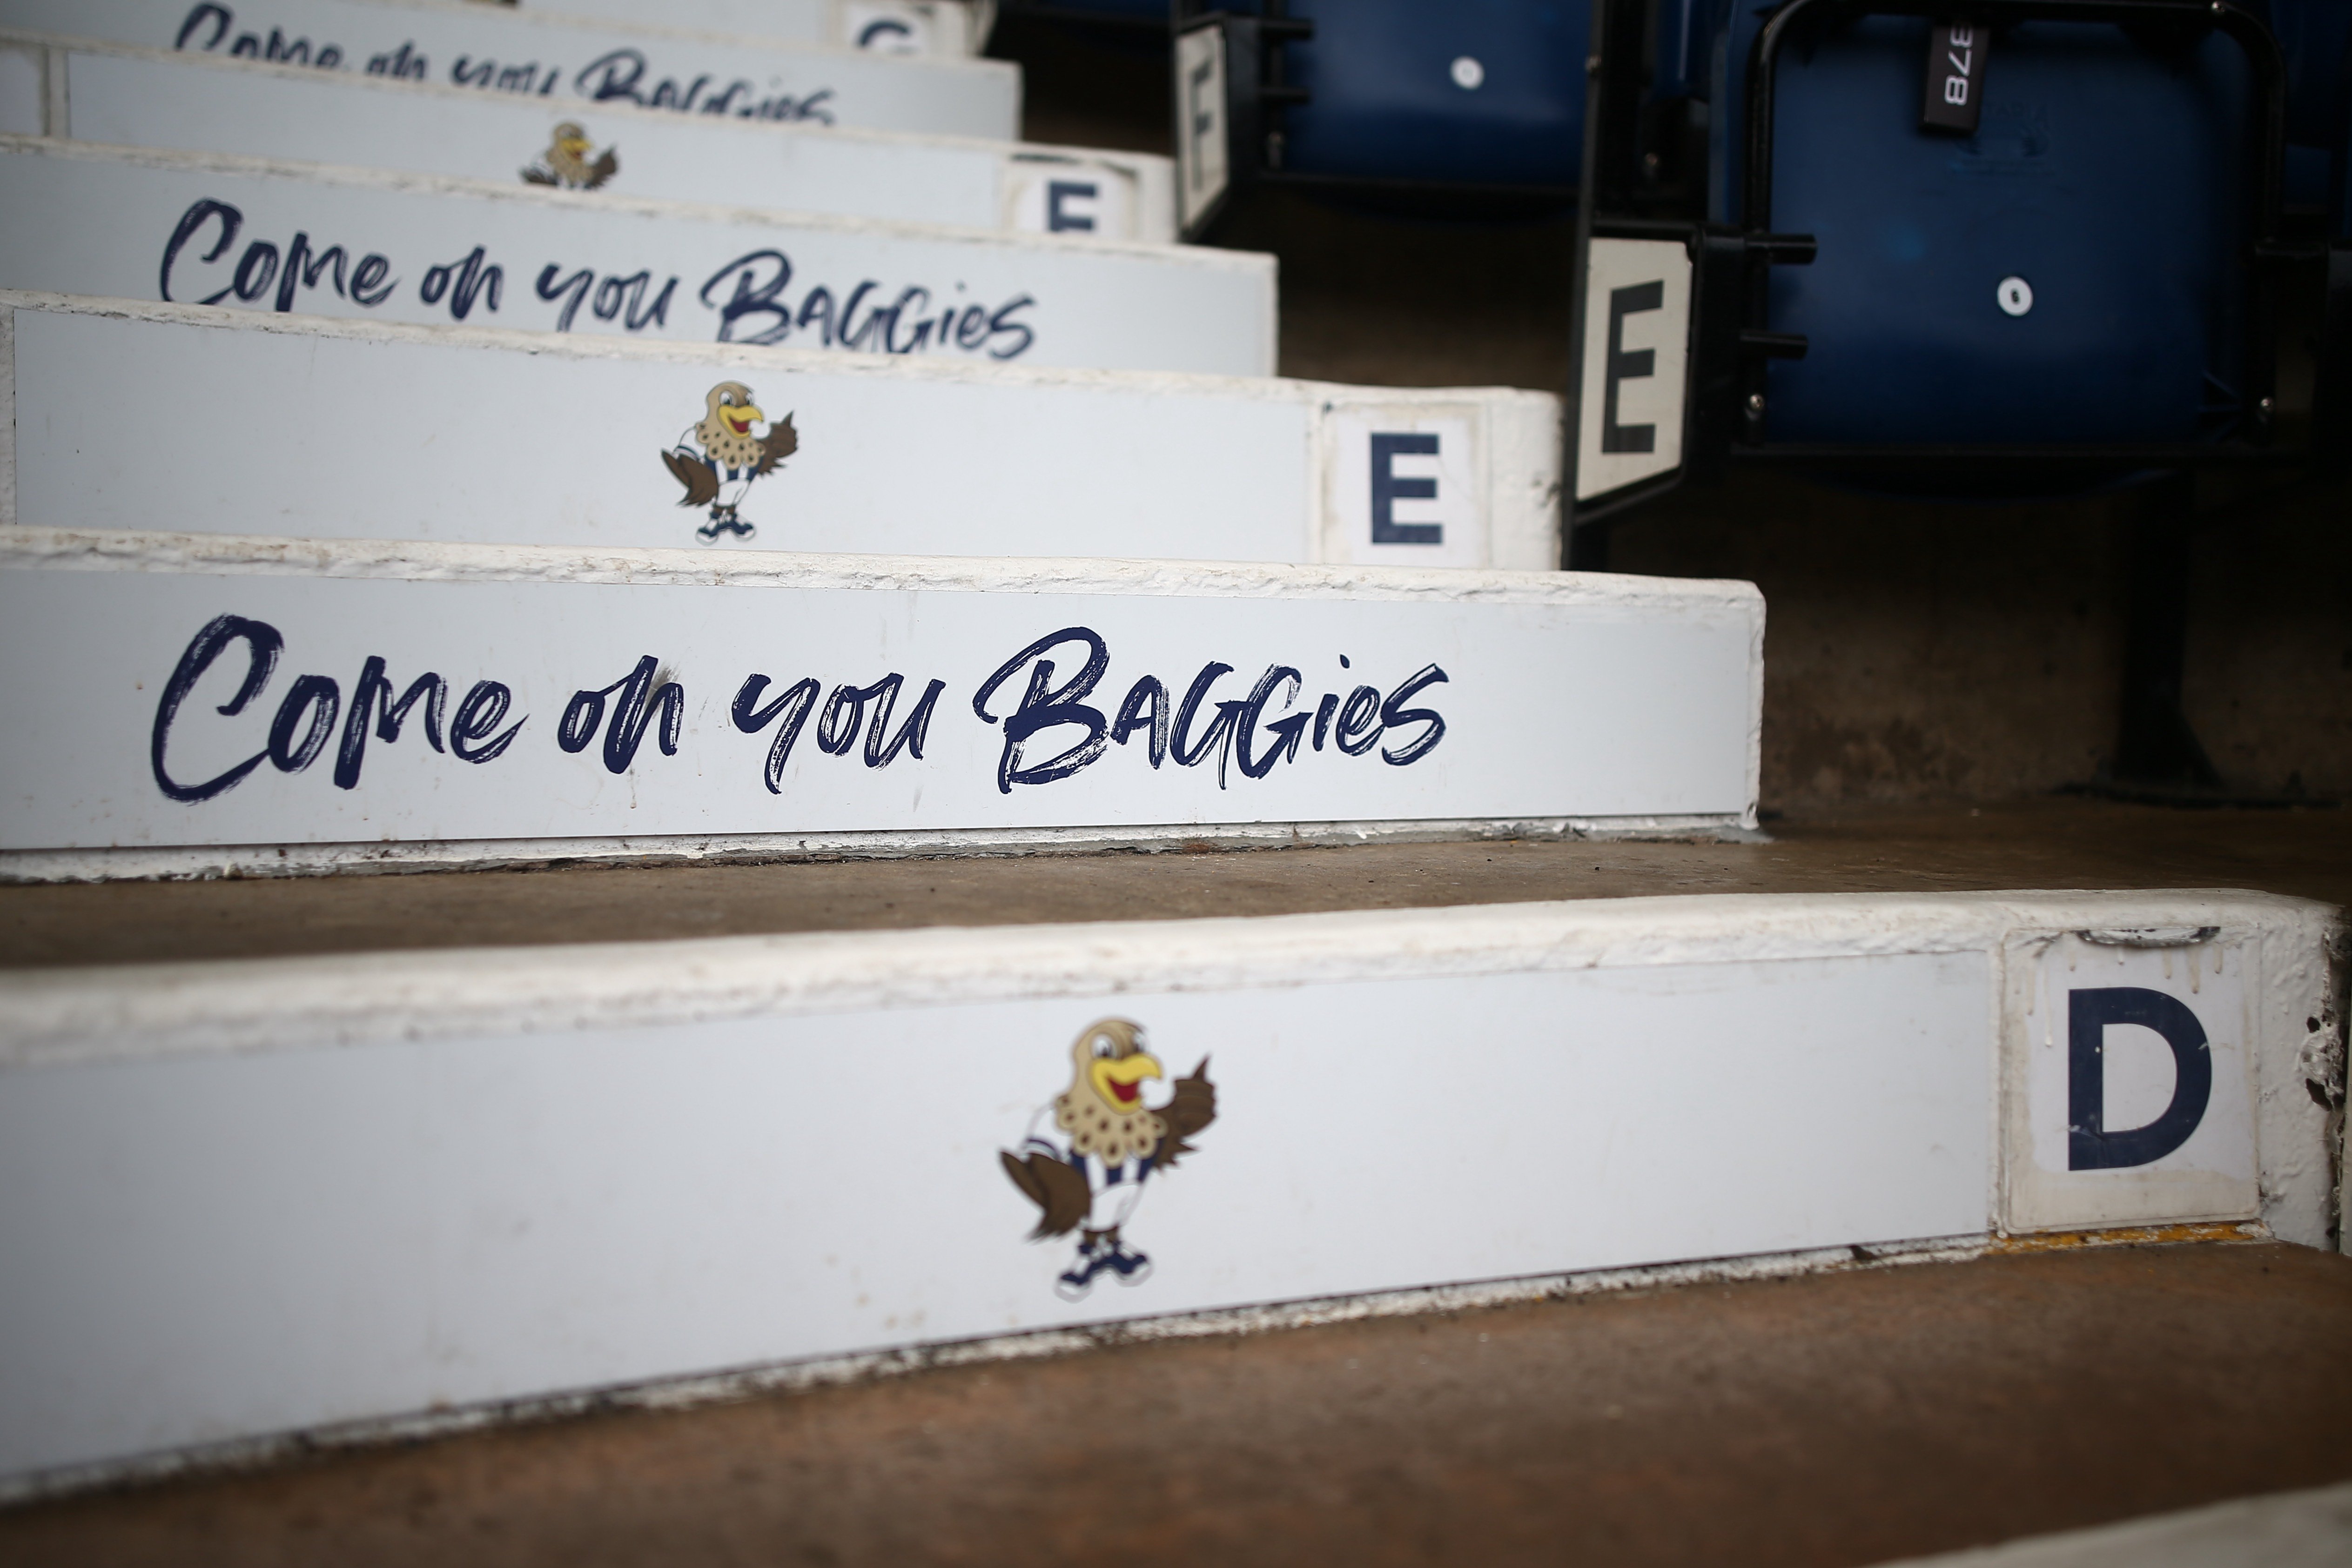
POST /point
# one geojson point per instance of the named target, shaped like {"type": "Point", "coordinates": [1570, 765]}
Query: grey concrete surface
{"type": "Point", "coordinates": [1836, 1419]}
{"type": "Point", "coordinates": [2045, 843]}
{"type": "Point", "coordinates": [2295, 1530]}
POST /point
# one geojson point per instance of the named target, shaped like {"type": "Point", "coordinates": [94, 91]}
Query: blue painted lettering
{"type": "Point", "coordinates": [645, 692]}
{"type": "Point", "coordinates": [310, 709]}
{"type": "Point", "coordinates": [372, 699]}
{"type": "Point", "coordinates": [1059, 218]}
{"type": "Point", "coordinates": [463, 281]}
{"type": "Point", "coordinates": [1393, 717]}
{"type": "Point", "coordinates": [402, 64]}
{"type": "Point", "coordinates": [259, 264]}
{"type": "Point", "coordinates": [622, 73]}
{"type": "Point", "coordinates": [263, 644]}
{"type": "Point", "coordinates": [471, 732]}
{"type": "Point", "coordinates": [751, 719]}
{"type": "Point", "coordinates": [277, 47]}
{"type": "Point", "coordinates": [1240, 730]}
{"type": "Point", "coordinates": [305, 720]}
{"type": "Point", "coordinates": [759, 277]}
{"type": "Point", "coordinates": [1389, 489]}
{"type": "Point", "coordinates": [1044, 707]}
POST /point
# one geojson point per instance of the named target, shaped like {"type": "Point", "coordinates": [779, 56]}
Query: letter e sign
{"type": "Point", "coordinates": [1636, 341]}
{"type": "Point", "coordinates": [2125, 1081]}
{"type": "Point", "coordinates": [1201, 154]}
{"type": "Point", "coordinates": [1403, 490]}
{"type": "Point", "coordinates": [1068, 195]}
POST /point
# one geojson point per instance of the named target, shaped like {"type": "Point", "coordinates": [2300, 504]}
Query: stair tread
{"type": "Point", "coordinates": [126, 96]}
{"type": "Point", "coordinates": [2043, 844]}
{"type": "Point", "coordinates": [87, 215]}
{"type": "Point", "coordinates": [569, 60]}
{"type": "Point", "coordinates": [1845, 1418]}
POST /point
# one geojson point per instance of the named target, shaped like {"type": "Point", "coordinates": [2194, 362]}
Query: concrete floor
{"type": "Point", "coordinates": [2053, 842]}
{"type": "Point", "coordinates": [1844, 1418]}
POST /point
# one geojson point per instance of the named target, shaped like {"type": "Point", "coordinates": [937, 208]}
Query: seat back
{"type": "Point", "coordinates": [2069, 273]}
{"type": "Point", "coordinates": [1472, 91]}
{"type": "Point", "coordinates": [2317, 38]}
{"type": "Point", "coordinates": [1475, 108]}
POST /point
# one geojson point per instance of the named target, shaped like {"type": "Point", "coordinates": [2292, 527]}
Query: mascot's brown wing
{"type": "Point", "coordinates": [702, 483]}
{"type": "Point", "coordinates": [782, 441]}
{"type": "Point", "coordinates": [1055, 1186]}
{"type": "Point", "coordinates": [603, 169]}
{"type": "Point", "coordinates": [1194, 1108]}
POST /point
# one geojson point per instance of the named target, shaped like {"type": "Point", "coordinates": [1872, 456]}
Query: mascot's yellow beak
{"type": "Point", "coordinates": [740, 420]}
{"type": "Point", "coordinates": [1119, 1079]}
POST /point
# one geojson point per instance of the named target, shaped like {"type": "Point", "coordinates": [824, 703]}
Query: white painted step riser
{"type": "Point", "coordinates": [897, 27]}
{"type": "Point", "coordinates": [563, 62]}
{"type": "Point", "coordinates": [2309, 1529]}
{"type": "Point", "coordinates": [432, 251]}
{"type": "Point", "coordinates": [120, 96]}
{"type": "Point", "coordinates": [903, 457]}
{"type": "Point", "coordinates": [247, 1198]}
{"type": "Point", "coordinates": [1441, 697]}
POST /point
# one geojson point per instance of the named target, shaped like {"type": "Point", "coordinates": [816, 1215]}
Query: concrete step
{"type": "Point", "coordinates": [2310, 1528]}
{"type": "Point", "coordinates": [462, 1181]}
{"type": "Point", "coordinates": [564, 62]}
{"type": "Point", "coordinates": [2058, 842]}
{"type": "Point", "coordinates": [1868, 1412]}
{"type": "Point", "coordinates": [214, 228]}
{"type": "Point", "coordinates": [123, 96]}
{"type": "Point", "coordinates": [896, 27]}
{"type": "Point", "coordinates": [896, 456]}
{"type": "Point", "coordinates": [621, 703]}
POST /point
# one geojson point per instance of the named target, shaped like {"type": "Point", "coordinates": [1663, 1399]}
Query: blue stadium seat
{"type": "Point", "coordinates": [2316, 36]}
{"type": "Point", "coordinates": [1403, 97]}
{"type": "Point", "coordinates": [2072, 269]}
{"type": "Point", "coordinates": [2010, 247]}
{"type": "Point", "coordinates": [1473, 91]}
{"type": "Point", "coordinates": [2108, 174]}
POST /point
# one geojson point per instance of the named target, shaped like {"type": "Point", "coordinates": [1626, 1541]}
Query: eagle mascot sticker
{"type": "Point", "coordinates": [565, 163]}
{"type": "Point", "coordinates": [717, 459]}
{"type": "Point", "coordinates": [1092, 1148]}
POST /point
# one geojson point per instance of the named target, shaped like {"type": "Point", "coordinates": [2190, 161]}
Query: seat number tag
{"type": "Point", "coordinates": [1956, 65]}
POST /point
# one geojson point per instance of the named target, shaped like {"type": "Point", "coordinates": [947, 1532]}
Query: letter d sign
{"type": "Point", "coordinates": [2090, 1145]}
{"type": "Point", "coordinates": [2125, 1080]}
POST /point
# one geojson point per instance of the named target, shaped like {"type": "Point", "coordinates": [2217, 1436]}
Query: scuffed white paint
{"type": "Point", "coordinates": [7, 417]}
{"type": "Point", "coordinates": [691, 1392]}
{"type": "Point", "coordinates": [97, 220]}
{"type": "Point", "coordinates": [197, 863]}
{"type": "Point", "coordinates": [2284, 1529]}
{"type": "Point", "coordinates": [1016, 461]}
{"type": "Point", "coordinates": [1478, 726]}
{"type": "Point", "coordinates": [126, 96]}
{"type": "Point", "coordinates": [936, 93]}
{"type": "Point", "coordinates": [493, 1180]}
{"type": "Point", "coordinates": [951, 28]}
{"type": "Point", "coordinates": [56, 1015]}
{"type": "Point", "coordinates": [88, 549]}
